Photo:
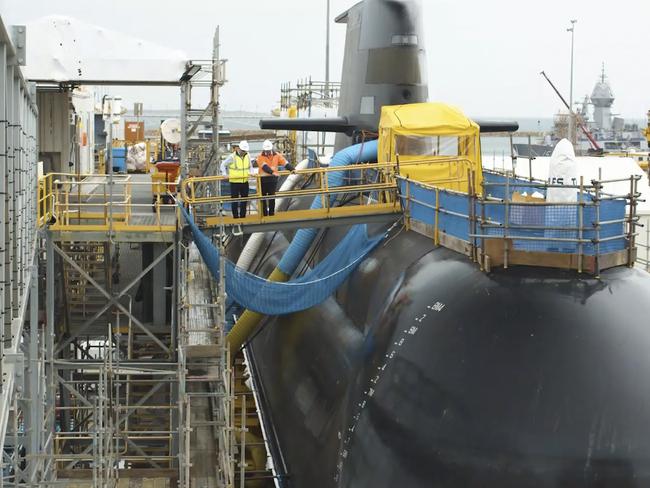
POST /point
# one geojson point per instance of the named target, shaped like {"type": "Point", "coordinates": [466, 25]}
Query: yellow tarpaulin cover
{"type": "Point", "coordinates": [444, 142]}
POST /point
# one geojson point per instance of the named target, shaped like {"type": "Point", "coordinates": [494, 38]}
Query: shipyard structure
{"type": "Point", "coordinates": [400, 316]}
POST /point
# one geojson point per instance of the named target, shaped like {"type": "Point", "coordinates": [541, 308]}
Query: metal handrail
{"type": "Point", "coordinates": [65, 202]}
{"type": "Point", "coordinates": [77, 201]}
{"type": "Point", "coordinates": [389, 173]}
{"type": "Point", "coordinates": [509, 231]}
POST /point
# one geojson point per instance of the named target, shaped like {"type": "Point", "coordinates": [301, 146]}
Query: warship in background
{"type": "Point", "coordinates": [613, 134]}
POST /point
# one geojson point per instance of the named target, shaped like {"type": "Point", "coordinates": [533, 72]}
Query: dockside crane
{"type": "Point", "coordinates": [592, 141]}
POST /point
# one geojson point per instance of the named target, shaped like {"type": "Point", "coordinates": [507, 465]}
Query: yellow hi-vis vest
{"type": "Point", "coordinates": [238, 170]}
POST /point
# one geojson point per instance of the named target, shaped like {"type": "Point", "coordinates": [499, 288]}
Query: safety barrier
{"type": "Point", "coordinates": [378, 191]}
{"type": "Point", "coordinates": [101, 203]}
{"type": "Point", "coordinates": [502, 226]}
{"type": "Point", "coordinates": [366, 188]}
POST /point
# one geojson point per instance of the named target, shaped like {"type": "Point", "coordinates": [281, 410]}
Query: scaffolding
{"type": "Point", "coordinates": [136, 396]}
{"type": "Point", "coordinates": [22, 366]}
{"type": "Point", "coordinates": [108, 386]}
{"type": "Point", "coordinates": [202, 78]}
{"type": "Point", "coordinates": [308, 94]}
{"type": "Point", "coordinates": [308, 98]}
{"type": "Point", "coordinates": [207, 376]}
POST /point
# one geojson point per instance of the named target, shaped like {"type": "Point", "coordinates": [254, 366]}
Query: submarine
{"type": "Point", "coordinates": [424, 370]}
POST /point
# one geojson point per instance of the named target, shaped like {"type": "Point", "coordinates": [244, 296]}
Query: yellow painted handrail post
{"type": "Point", "coordinates": [407, 213]}
{"type": "Point", "coordinates": [105, 206]}
{"type": "Point", "coordinates": [67, 207]}
{"type": "Point", "coordinates": [177, 210]}
{"type": "Point", "coordinates": [50, 193]}
{"type": "Point", "coordinates": [258, 192]}
{"type": "Point", "coordinates": [436, 236]}
{"type": "Point", "coordinates": [128, 203]}
{"type": "Point", "coordinates": [327, 193]}
{"type": "Point", "coordinates": [38, 205]}
{"type": "Point", "coordinates": [321, 176]}
{"type": "Point", "coordinates": [47, 196]}
{"type": "Point", "coordinates": [158, 203]}
{"type": "Point", "coordinates": [43, 203]}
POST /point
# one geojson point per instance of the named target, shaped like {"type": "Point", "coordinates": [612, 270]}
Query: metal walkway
{"type": "Point", "coordinates": [299, 219]}
{"type": "Point", "coordinates": [368, 194]}
{"type": "Point", "coordinates": [128, 208]}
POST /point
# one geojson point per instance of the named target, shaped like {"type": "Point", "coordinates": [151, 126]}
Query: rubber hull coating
{"type": "Point", "coordinates": [426, 372]}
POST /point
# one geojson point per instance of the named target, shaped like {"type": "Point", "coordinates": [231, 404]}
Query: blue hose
{"type": "Point", "coordinates": [364, 152]}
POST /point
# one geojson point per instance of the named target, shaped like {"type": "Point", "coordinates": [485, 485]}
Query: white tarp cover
{"type": "Point", "coordinates": [562, 171]}
{"type": "Point", "coordinates": [62, 49]}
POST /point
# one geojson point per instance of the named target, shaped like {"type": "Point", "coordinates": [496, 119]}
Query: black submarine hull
{"type": "Point", "coordinates": [425, 371]}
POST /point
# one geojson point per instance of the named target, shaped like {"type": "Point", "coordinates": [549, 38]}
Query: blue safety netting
{"type": "Point", "coordinates": [274, 298]}
{"type": "Point", "coordinates": [530, 228]}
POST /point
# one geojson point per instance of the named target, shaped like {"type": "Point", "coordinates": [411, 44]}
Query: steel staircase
{"type": "Point", "coordinates": [83, 299]}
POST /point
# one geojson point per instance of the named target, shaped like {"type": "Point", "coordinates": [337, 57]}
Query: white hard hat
{"type": "Point", "coordinates": [267, 146]}
{"type": "Point", "coordinates": [243, 145]}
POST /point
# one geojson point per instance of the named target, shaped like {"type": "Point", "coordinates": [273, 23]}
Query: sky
{"type": "Point", "coordinates": [483, 56]}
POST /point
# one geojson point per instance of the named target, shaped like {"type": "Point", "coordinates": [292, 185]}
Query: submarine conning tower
{"type": "Point", "coordinates": [384, 62]}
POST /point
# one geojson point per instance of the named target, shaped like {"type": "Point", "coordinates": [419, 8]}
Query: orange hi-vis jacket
{"type": "Point", "coordinates": [273, 161]}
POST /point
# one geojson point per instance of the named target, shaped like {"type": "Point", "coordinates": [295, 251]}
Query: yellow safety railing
{"type": "Point", "coordinates": [369, 188]}
{"type": "Point", "coordinates": [71, 202]}
{"type": "Point", "coordinates": [374, 180]}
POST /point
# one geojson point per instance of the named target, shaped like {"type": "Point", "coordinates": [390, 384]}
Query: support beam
{"type": "Point", "coordinates": [73, 391]}
{"type": "Point", "coordinates": [160, 287]}
{"type": "Point", "coordinates": [112, 299]}
{"type": "Point", "coordinates": [4, 116]}
{"type": "Point", "coordinates": [50, 292]}
{"type": "Point", "coordinates": [34, 413]}
{"type": "Point", "coordinates": [141, 402]}
{"type": "Point", "coordinates": [80, 330]}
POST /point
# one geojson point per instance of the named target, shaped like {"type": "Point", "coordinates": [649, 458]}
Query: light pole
{"type": "Point", "coordinates": [327, 54]}
{"type": "Point", "coordinates": [572, 31]}
{"type": "Point", "coordinates": [572, 117]}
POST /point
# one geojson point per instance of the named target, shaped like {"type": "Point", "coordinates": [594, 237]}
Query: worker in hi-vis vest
{"type": "Point", "coordinates": [238, 168]}
{"type": "Point", "coordinates": [267, 164]}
